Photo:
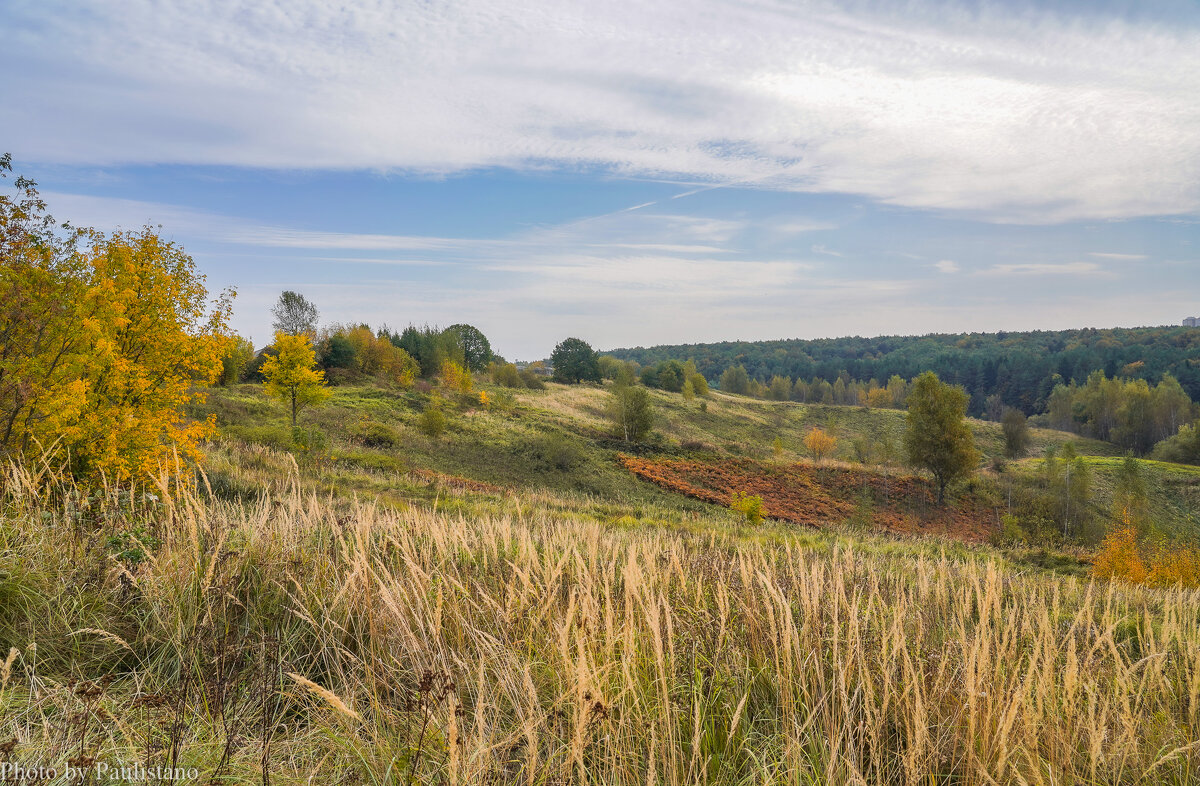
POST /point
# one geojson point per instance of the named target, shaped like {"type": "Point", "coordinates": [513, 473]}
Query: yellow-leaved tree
{"type": "Point", "coordinates": [290, 374]}
{"type": "Point", "coordinates": [819, 443]}
{"type": "Point", "coordinates": [104, 340]}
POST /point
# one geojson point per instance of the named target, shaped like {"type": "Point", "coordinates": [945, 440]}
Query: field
{"type": "Point", "coordinates": [508, 603]}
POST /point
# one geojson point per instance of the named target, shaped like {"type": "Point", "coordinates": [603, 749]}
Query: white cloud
{"type": "Point", "coordinates": [1019, 117]}
{"type": "Point", "coordinates": [947, 266]}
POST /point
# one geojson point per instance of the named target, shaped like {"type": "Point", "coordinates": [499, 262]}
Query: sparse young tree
{"type": "Point", "coordinates": [751, 507]}
{"type": "Point", "coordinates": [291, 376]}
{"type": "Point", "coordinates": [699, 384]}
{"type": "Point", "coordinates": [630, 410]}
{"type": "Point", "coordinates": [780, 389]}
{"type": "Point", "coordinates": [295, 315]}
{"type": "Point", "coordinates": [1016, 433]}
{"type": "Point", "coordinates": [819, 444]}
{"type": "Point", "coordinates": [938, 438]}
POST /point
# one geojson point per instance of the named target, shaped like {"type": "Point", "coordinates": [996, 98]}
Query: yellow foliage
{"type": "Point", "coordinates": [290, 377]}
{"type": "Point", "coordinates": [484, 399]}
{"type": "Point", "coordinates": [455, 377]}
{"type": "Point", "coordinates": [879, 398]}
{"type": "Point", "coordinates": [819, 443]}
{"type": "Point", "coordinates": [1179, 565]}
{"type": "Point", "coordinates": [106, 340]}
{"type": "Point", "coordinates": [1119, 558]}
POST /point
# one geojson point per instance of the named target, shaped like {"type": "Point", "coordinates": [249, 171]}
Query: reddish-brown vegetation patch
{"type": "Point", "coordinates": [819, 495]}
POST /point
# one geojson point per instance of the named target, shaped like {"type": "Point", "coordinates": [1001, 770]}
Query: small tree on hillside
{"type": "Point", "coordinates": [290, 375]}
{"type": "Point", "coordinates": [819, 443]}
{"type": "Point", "coordinates": [295, 315]}
{"type": "Point", "coordinates": [575, 361]}
{"type": "Point", "coordinates": [938, 438]}
{"type": "Point", "coordinates": [631, 411]}
{"type": "Point", "coordinates": [1016, 433]}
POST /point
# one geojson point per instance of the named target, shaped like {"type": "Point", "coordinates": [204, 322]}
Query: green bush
{"type": "Point", "coordinates": [508, 376]}
{"type": "Point", "coordinates": [553, 452]}
{"type": "Point", "coordinates": [309, 439]}
{"type": "Point", "coordinates": [532, 380]}
{"type": "Point", "coordinates": [432, 422]}
{"type": "Point", "coordinates": [379, 462]}
{"type": "Point", "coordinates": [278, 437]}
{"type": "Point", "coordinates": [376, 435]}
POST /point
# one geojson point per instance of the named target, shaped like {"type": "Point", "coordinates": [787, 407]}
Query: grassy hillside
{"type": "Point", "coordinates": [557, 442]}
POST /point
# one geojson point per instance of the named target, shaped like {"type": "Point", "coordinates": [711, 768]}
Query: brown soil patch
{"type": "Point", "coordinates": [818, 495]}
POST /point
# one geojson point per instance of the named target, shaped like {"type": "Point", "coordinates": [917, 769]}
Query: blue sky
{"type": "Point", "coordinates": [634, 173]}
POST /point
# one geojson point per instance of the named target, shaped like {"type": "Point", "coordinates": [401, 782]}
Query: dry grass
{"type": "Point", "coordinates": [303, 640]}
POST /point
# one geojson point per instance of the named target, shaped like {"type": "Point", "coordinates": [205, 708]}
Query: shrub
{"type": "Point", "coordinates": [508, 376]}
{"type": "Point", "coordinates": [432, 421]}
{"type": "Point", "coordinates": [750, 507]}
{"type": "Point", "coordinates": [309, 440]}
{"type": "Point", "coordinates": [532, 380]}
{"type": "Point", "coordinates": [554, 451]}
{"type": "Point", "coordinates": [376, 435]}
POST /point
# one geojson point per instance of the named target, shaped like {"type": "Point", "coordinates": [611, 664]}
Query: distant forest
{"type": "Point", "coordinates": [1021, 368]}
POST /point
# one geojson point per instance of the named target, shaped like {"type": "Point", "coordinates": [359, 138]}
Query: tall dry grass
{"type": "Point", "coordinates": [303, 640]}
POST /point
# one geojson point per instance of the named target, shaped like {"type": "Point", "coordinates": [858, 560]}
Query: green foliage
{"type": "Point", "coordinates": [1183, 447]}
{"type": "Point", "coordinates": [575, 361]}
{"type": "Point", "coordinates": [1022, 368]}
{"type": "Point", "coordinates": [432, 421]}
{"type": "Point", "coordinates": [475, 348]}
{"type": "Point", "coordinates": [238, 356]}
{"type": "Point", "coordinates": [751, 507]}
{"type": "Point", "coordinates": [532, 380]}
{"type": "Point", "coordinates": [631, 412]}
{"type": "Point", "coordinates": [376, 435]}
{"type": "Point", "coordinates": [506, 375]}
{"type": "Point", "coordinates": [309, 439]}
{"type": "Point", "coordinates": [937, 437]}
{"type": "Point", "coordinates": [780, 388]}
{"type": "Point", "coordinates": [1016, 433]}
{"type": "Point", "coordinates": [735, 380]}
{"type": "Point", "coordinates": [430, 347]}
{"type": "Point", "coordinates": [668, 375]}
{"type": "Point", "coordinates": [1067, 478]}
{"type": "Point", "coordinates": [554, 452]}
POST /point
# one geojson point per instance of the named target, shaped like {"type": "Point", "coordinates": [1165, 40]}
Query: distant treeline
{"type": "Point", "coordinates": [1018, 370]}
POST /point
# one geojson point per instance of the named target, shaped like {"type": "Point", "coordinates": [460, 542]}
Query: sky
{"type": "Point", "coordinates": [634, 173]}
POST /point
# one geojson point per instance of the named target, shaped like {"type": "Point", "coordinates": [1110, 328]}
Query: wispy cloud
{"type": "Point", "coordinates": [1031, 117]}
{"type": "Point", "coordinates": [1043, 269]}
{"type": "Point", "coordinates": [1119, 257]}
{"type": "Point", "coordinates": [947, 266]}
